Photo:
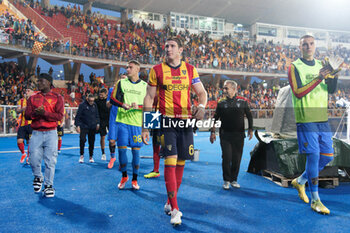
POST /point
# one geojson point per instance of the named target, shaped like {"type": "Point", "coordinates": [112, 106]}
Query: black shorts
{"type": "Point", "coordinates": [103, 128]}
{"type": "Point", "coordinates": [177, 140]}
{"type": "Point", "coordinates": [60, 131]}
{"type": "Point", "coordinates": [24, 132]}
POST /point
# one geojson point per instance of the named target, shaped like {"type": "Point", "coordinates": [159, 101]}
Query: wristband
{"type": "Point", "coordinates": [201, 106]}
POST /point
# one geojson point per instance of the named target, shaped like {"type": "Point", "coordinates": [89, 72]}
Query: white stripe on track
{"type": "Point", "coordinates": [67, 148]}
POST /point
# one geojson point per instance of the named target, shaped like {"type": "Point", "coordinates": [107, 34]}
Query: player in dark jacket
{"type": "Point", "coordinates": [87, 122]}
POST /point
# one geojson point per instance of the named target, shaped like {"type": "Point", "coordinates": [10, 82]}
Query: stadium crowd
{"type": "Point", "coordinates": [13, 82]}
{"type": "Point", "coordinates": [124, 41]}
{"type": "Point", "coordinates": [141, 41]}
{"type": "Point", "coordinates": [14, 79]}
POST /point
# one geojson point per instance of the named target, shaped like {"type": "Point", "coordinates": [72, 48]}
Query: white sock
{"type": "Point", "coordinates": [314, 196]}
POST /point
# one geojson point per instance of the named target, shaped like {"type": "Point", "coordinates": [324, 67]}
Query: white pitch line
{"type": "Point", "coordinates": [67, 148]}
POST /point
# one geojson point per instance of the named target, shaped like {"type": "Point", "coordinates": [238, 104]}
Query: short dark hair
{"type": "Point", "coordinates": [91, 95]}
{"type": "Point", "coordinates": [103, 90]}
{"type": "Point", "coordinates": [47, 77]}
{"type": "Point", "coordinates": [177, 40]}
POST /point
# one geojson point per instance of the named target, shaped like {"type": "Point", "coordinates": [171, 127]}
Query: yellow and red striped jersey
{"type": "Point", "coordinates": [173, 88]}
{"type": "Point", "coordinates": [64, 115]}
{"type": "Point", "coordinates": [23, 103]}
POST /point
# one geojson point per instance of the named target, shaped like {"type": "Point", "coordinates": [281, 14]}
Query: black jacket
{"type": "Point", "coordinates": [231, 113]}
{"type": "Point", "coordinates": [103, 111]}
{"type": "Point", "coordinates": [87, 116]}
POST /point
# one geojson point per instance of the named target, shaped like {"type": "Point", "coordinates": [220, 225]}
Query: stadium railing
{"type": "Point", "coordinates": [9, 120]}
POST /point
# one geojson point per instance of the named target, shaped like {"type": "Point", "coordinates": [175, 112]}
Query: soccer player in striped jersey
{"type": "Point", "coordinates": [60, 131]}
{"type": "Point", "coordinates": [173, 79]}
{"type": "Point", "coordinates": [24, 130]}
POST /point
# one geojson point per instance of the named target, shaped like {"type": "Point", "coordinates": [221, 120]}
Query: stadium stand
{"type": "Point", "coordinates": [95, 35]}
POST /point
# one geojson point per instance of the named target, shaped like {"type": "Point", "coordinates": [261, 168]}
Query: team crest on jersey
{"type": "Point", "coordinates": [50, 101]}
{"type": "Point", "coordinates": [184, 72]}
{"type": "Point", "coordinates": [306, 144]}
{"type": "Point", "coordinates": [169, 147]}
